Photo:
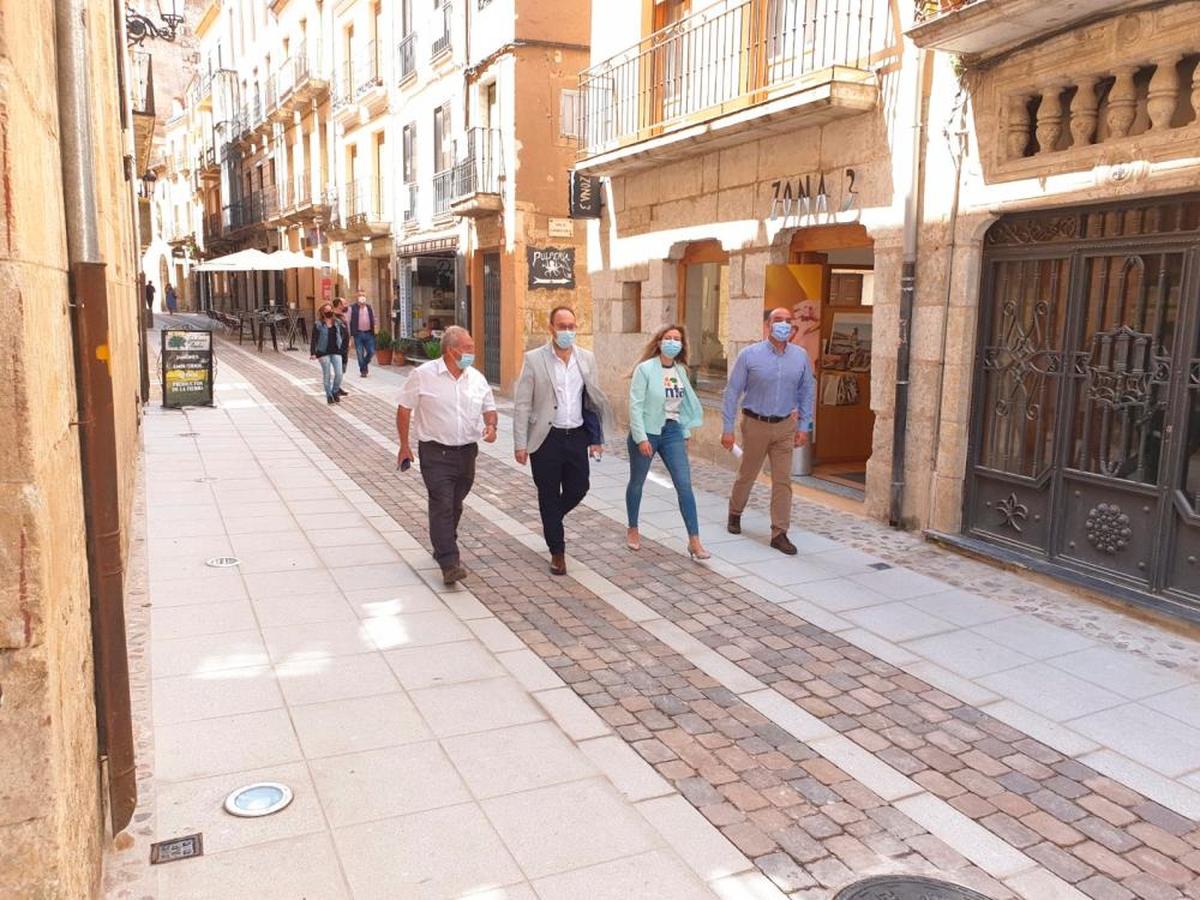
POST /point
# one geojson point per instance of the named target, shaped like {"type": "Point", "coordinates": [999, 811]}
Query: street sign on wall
{"type": "Point", "coordinates": [187, 368]}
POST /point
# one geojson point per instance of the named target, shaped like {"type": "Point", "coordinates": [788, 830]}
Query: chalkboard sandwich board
{"type": "Point", "coordinates": [187, 368]}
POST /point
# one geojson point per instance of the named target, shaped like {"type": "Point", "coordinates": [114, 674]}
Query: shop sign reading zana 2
{"type": "Point", "coordinates": [814, 199]}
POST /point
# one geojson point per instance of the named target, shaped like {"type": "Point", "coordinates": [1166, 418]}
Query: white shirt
{"type": "Point", "coordinates": [446, 409]}
{"type": "Point", "coordinates": [568, 391]}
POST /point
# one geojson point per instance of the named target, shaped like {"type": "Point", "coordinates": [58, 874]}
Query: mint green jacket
{"type": "Point", "coordinates": [648, 406]}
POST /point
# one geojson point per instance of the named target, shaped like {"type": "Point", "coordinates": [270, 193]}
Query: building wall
{"type": "Point", "coordinates": [51, 811]}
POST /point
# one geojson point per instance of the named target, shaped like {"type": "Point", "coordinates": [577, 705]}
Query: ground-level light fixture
{"type": "Point", "coordinates": [260, 799]}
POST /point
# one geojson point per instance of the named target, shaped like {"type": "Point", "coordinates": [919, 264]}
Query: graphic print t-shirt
{"type": "Point", "coordinates": [673, 392]}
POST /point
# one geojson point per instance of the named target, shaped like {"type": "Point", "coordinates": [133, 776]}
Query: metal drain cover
{"type": "Point", "coordinates": [879, 567]}
{"type": "Point", "coordinates": [189, 434]}
{"type": "Point", "coordinates": [207, 479]}
{"type": "Point", "coordinates": [259, 799]}
{"type": "Point", "coordinates": [177, 848]}
{"type": "Point", "coordinates": [223, 562]}
{"type": "Point", "coordinates": [906, 887]}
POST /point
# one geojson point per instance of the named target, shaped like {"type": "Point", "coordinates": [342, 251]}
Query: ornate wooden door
{"type": "Point", "coordinates": [1085, 446]}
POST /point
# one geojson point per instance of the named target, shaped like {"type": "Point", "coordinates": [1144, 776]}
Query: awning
{"type": "Point", "coordinates": [257, 261]}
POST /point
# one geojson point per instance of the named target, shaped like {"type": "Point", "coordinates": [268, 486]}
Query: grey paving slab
{"type": "Point", "coordinates": [967, 654]}
{"type": "Point", "coordinates": [899, 583]}
{"type": "Point", "coordinates": [1182, 704]}
{"type": "Point", "coordinates": [896, 621]}
{"type": "Point", "coordinates": [1120, 672]}
{"type": "Point", "coordinates": [962, 607]}
{"type": "Point", "coordinates": [1034, 637]}
{"type": "Point", "coordinates": [1051, 692]}
{"type": "Point", "coordinates": [839, 594]}
{"type": "Point", "coordinates": [1144, 735]}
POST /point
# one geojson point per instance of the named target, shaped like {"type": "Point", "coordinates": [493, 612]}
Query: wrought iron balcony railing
{"type": "Point", "coordinates": [443, 192]}
{"type": "Point", "coordinates": [406, 56]}
{"type": "Point", "coordinates": [441, 43]}
{"type": "Point", "coordinates": [480, 171]}
{"type": "Point", "coordinates": [370, 72]}
{"type": "Point", "coordinates": [409, 214]}
{"type": "Point", "coordinates": [343, 94]}
{"type": "Point", "coordinates": [732, 55]}
{"type": "Point", "coordinates": [365, 201]}
{"type": "Point", "coordinates": [143, 83]}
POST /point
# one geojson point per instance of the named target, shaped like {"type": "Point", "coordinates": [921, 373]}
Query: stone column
{"type": "Point", "coordinates": [1122, 103]}
{"type": "Point", "coordinates": [1084, 113]}
{"type": "Point", "coordinates": [1050, 119]}
{"type": "Point", "coordinates": [1163, 95]}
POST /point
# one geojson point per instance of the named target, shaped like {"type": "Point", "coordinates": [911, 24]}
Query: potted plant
{"type": "Point", "coordinates": [384, 348]}
{"type": "Point", "coordinates": [433, 349]}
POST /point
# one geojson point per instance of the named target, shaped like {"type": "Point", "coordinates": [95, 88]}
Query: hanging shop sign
{"type": "Point", "coordinates": [551, 267]}
{"type": "Point", "coordinates": [584, 195]}
{"type": "Point", "coordinates": [187, 368]}
{"type": "Point", "coordinates": [818, 198]}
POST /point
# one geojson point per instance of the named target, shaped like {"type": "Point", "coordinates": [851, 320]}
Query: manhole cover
{"type": "Point", "coordinates": [223, 562]}
{"type": "Point", "coordinates": [189, 434]}
{"type": "Point", "coordinates": [207, 479]}
{"type": "Point", "coordinates": [879, 567]}
{"type": "Point", "coordinates": [259, 799]}
{"type": "Point", "coordinates": [177, 848]}
{"type": "Point", "coordinates": [906, 887]}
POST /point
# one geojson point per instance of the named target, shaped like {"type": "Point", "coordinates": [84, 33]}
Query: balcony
{"type": "Point", "coordinates": [443, 192]}
{"type": "Point", "coordinates": [345, 110]}
{"type": "Point", "coordinates": [729, 74]}
{"type": "Point", "coordinates": [206, 162]}
{"type": "Point", "coordinates": [142, 90]}
{"type": "Point", "coordinates": [304, 82]}
{"type": "Point", "coordinates": [369, 90]}
{"type": "Point", "coordinates": [441, 43]}
{"type": "Point", "coordinates": [475, 190]}
{"type": "Point", "coordinates": [406, 57]}
{"type": "Point", "coordinates": [409, 214]}
{"type": "Point", "coordinates": [282, 107]}
{"type": "Point", "coordinates": [983, 28]}
{"type": "Point", "coordinates": [212, 228]}
{"type": "Point", "coordinates": [272, 209]}
{"type": "Point", "coordinates": [263, 125]}
{"type": "Point", "coordinates": [365, 208]}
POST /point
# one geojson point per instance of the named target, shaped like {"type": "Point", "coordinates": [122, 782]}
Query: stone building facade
{"type": "Point", "coordinates": [913, 180]}
{"type": "Point", "coordinates": [53, 786]}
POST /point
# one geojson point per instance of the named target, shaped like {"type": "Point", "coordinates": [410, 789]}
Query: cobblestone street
{"type": "Point", "coordinates": [648, 726]}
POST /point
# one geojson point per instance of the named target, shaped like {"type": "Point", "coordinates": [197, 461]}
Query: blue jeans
{"type": "Point", "coordinates": [331, 373]}
{"type": "Point", "coordinates": [671, 445]}
{"type": "Point", "coordinates": [364, 346]}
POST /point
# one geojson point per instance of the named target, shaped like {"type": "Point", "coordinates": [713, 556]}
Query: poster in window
{"type": "Point", "coordinates": [848, 347]}
{"type": "Point", "coordinates": [551, 267]}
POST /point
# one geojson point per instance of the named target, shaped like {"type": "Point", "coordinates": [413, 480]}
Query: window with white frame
{"type": "Point", "coordinates": [569, 114]}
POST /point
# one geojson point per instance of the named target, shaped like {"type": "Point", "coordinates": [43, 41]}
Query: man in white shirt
{"type": "Point", "coordinates": [453, 406]}
{"type": "Point", "coordinates": [559, 416]}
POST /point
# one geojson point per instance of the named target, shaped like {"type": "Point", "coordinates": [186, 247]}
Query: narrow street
{"type": "Point", "coordinates": [749, 727]}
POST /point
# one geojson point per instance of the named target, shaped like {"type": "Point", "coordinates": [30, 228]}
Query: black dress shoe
{"type": "Point", "coordinates": [341, 393]}
{"type": "Point", "coordinates": [329, 400]}
{"type": "Point", "coordinates": [781, 543]}
{"type": "Point", "coordinates": [735, 524]}
{"type": "Point", "coordinates": [558, 564]}
{"type": "Point", "coordinates": [452, 574]}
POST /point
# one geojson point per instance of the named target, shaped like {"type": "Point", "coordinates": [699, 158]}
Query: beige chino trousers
{"type": "Point", "coordinates": [762, 441]}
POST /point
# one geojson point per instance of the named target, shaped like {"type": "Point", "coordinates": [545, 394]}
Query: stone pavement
{"type": "Point", "coordinates": [823, 718]}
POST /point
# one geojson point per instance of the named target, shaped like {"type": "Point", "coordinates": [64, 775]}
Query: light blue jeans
{"type": "Point", "coordinates": [671, 445]}
{"type": "Point", "coordinates": [331, 373]}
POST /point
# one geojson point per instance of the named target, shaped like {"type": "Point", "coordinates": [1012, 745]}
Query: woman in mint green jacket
{"type": "Point", "coordinates": [663, 410]}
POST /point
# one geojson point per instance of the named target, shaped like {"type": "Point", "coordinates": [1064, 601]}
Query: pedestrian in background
{"type": "Point", "coordinates": [326, 345]}
{"type": "Point", "coordinates": [559, 417]}
{"type": "Point", "coordinates": [172, 299]}
{"type": "Point", "coordinates": [663, 410]}
{"type": "Point", "coordinates": [342, 311]}
{"type": "Point", "coordinates": [362, 329]}
{"type": "Point", "coordinates": [451, 401]}
{"type": "Point", "coordinates": [150, 296]}
{"type": "Point", "coordinates": [772, 382]}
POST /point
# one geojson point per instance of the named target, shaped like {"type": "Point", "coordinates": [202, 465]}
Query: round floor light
{"type": "Point", "coordinates": [223, 562]}
{"type": "Point", "coordinates": [261, 799]}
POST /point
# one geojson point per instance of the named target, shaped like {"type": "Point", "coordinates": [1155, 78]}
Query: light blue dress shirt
{"type": "Point", "coordinates": [771, 383]}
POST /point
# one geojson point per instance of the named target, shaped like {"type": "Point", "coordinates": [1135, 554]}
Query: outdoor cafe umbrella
{"type": "Point", "coordinates": [242, 261]}
{"type": "Point", "coordinates": [289, 259]}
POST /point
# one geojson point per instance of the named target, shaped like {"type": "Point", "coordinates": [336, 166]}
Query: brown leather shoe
{"type": "Point", "coordinates": [558, 564]}
{"type": "Point", "coordinates": [451, 574]}
{"type": "Point", "coordinates": [735, 524]}
{"type": "Point", "coordinates": [781, 543]}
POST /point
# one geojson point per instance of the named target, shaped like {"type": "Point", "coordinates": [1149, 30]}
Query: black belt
{"type": "Point", "coordinates": [770, 420]}
{"type": "Point", "coordinates": [452, 447]}
{"type": "Point", "coordinates": [567, 430]}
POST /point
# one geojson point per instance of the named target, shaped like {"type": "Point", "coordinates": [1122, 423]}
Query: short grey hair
{"type": "Point", "coordinates": [453, 336]}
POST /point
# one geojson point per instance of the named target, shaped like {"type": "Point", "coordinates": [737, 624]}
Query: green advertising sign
{"type": "Point", "coordinates": [187, 368]}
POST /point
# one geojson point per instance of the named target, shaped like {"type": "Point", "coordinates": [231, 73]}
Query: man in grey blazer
{"type": "Point", "coordinates": [559, 417]}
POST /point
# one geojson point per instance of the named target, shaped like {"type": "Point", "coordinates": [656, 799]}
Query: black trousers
{"type": "Point", "coordinates": [449, 473]}
{"type": "Point", "coordinates": [561, 472]}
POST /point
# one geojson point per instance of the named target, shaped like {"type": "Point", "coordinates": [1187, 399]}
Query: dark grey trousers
{"type": "Point", "coordinates": [449, 473]}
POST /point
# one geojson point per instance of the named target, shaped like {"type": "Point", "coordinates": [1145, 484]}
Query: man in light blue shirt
{"type": "Point", "coordinates": [772, 382]}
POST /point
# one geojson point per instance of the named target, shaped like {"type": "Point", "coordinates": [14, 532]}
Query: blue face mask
{"type": "Point", "coordinates": [564, 339]}
{"type": "Point", "coordinates": [466, 360]}
{"type": "Point", "coordinates": [781, 331]}
{"type": "Point", "coordinates": [670, 347]}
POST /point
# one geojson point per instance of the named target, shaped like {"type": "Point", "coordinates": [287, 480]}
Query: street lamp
{"type": "Point", "coordinates": [148, 180]}
{"type": "Point", "coordinates": [138, 27]}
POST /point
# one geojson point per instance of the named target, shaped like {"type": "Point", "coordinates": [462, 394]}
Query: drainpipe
{"type": "Point", "coordinates": [908, 280]}
{"type": "Point", "coordinates": [97, 432]}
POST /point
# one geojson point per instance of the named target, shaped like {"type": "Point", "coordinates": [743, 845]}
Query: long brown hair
{"type": "Point", "coordinates": [652, 350]}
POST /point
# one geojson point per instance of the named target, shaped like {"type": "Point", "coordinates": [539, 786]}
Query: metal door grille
{"type": "Point", "coordinates": [491, 317]}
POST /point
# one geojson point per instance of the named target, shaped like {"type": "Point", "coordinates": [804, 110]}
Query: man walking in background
{"type": "Point", "coordinates": [559, 414]}
{"type": "Point", "coordinates": [362, 327]}
{"type": "Point", "coordinates": [772, 382]}
{"type": "Point", "coordinates": [450, 400]}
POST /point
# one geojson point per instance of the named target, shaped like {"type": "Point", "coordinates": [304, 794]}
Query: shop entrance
{"type": "Point", "coordinates": [830, 287]}
{"type": "Point", "coordinates": [491, 317]}
{"type": "Point", "coordinates": [427, 288]}
{"type": "Point", "coordinates": [1085, 445]}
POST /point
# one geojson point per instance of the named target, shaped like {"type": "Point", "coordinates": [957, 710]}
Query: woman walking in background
{"type": "Point", "coordinates": [663, 410]}
{"type": "Point", "coordinates": [342, 311]}
{"type": "Point", "coordinates": [328, 341]}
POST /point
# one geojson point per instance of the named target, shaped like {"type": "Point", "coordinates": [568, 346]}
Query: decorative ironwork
{"type": "Point", "coordinates": [1194, 375]}
{"type": "Point", "coordinates": [138, 27]}
{"type": "Point", "coordinates": [1039, 230]}
{"type": "Point", "coordinates": [1108, 529]}
{"type": "Point", "coordinates": [1023, 352]}
{"type": "Point", "coordinates": [1012, 512]}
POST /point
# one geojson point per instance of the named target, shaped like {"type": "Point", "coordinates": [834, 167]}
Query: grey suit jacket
{"type": "Point", "coordinates": [535, 401]}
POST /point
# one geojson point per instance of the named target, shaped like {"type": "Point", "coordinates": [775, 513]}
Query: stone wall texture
{"type": "Point", "coordinates": [51, 807]}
